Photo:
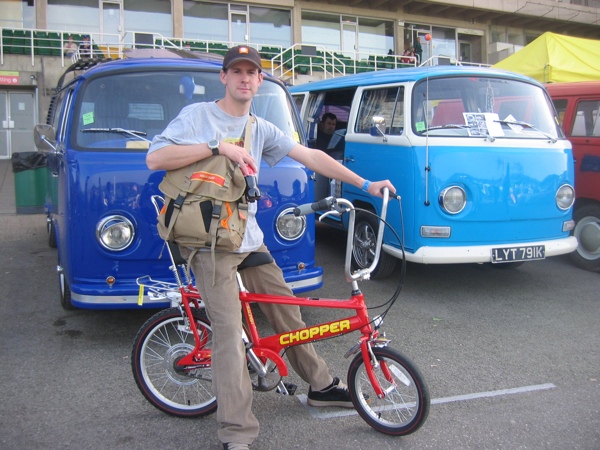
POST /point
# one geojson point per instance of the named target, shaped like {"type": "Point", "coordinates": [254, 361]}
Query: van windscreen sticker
{"type": "Point", "coordinates": [88, 118]}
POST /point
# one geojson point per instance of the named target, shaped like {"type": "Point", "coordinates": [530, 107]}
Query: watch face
{"type": "Point", "coordinates": [213, 144]}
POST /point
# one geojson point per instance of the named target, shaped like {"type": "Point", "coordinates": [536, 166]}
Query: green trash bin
{"type": "Point", "coordinates": [31, 179]}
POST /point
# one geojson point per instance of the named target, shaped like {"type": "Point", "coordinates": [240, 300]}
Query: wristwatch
{"type": "Point", "coordinates": [213, 144]}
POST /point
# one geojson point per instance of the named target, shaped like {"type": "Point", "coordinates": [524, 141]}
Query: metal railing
{"type": "Point", "coordinates": [285, 63]}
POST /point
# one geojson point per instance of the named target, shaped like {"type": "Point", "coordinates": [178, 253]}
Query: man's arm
{"type": "Point", "coordinates": [324, 164]}
{"type": "Point", "coordinates": [176, 156]}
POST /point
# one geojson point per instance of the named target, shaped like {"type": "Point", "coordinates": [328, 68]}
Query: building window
{"type": "Point", "coordinates": [350, 34]}
{"type": "Point", "coordinates": [73, 15]}
{"type": "Point", "coordinates": [17, 14]}
{"type": "Point", "coordinates": [151, 16]}
{"type": "Point", "coordinates": [375, 35]}
{"type": "Point", "coordinates": [206, 21]}
{"type": "Point", "coordinates": [270, 26]}
{"type": "Point", "coordinates": [321, 29]}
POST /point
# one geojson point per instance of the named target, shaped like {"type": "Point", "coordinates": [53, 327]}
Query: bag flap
{"type": "Point", "coordinates": [215, 177]}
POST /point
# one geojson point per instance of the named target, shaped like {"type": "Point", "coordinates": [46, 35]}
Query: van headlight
{"type": "Point", "coordinates": [115, 232]}
{"type": "Point", "coordinates": [453, 199]}
{"type": "Point", "coordinates": [289, 226]}
{"type": "Point", "coordinates": [565, 196]}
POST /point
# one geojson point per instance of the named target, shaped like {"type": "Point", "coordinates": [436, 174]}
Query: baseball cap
{"type": "Point", "coordinates": [241, 53]}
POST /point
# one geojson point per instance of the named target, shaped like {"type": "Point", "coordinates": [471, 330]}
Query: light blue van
{"type": "Point", "coordinates": [483, 168]}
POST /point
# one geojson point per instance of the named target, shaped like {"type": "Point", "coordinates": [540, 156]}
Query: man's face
{"type": "Point", "coordinates": [328, 125]}
{"type": "Point", "coordinates": [242, 80]}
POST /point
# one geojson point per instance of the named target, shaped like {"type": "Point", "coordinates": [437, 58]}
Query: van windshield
{"type": "Point", "coordinates": [123, 112]}
{"type": "Point", "coordinates": [482, 107]}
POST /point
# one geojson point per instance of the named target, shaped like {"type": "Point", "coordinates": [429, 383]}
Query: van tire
{"type": "Point", "coordinates": [51, 233]}
{"type": "Point", "coordinates": [587, 232]}
{"type": "Point", "coordinates": [65, 292]}
{"type": "Point", "coordinates": [365, 238]}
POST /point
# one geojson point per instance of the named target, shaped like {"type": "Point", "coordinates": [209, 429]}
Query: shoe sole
{"type": "Point", "coordinates": [321, 403]}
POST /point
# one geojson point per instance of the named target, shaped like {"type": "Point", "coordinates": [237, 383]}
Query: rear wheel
{"type": "Point", "coordinates": [161, 342]}
{"type": "Point", "coordinates": [405, 406]}
{"type": "Point", "coordinates": [587, 232]}
{"type": "Point", "coordinates": [363, 252]}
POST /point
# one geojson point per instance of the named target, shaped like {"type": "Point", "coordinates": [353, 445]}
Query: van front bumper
{"type": "Point", "coordinates": [478, 253]}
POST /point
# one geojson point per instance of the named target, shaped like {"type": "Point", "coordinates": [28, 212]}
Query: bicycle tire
{"type": "Point", "coordinates": [159, 343]}
{"type": "Point", "coordinates": [405, 408]}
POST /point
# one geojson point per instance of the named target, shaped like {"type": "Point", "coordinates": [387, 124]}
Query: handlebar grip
{"type": "Point", "coordinates": [393, 195]}
{"type": "Point", "coordinates": [309, 208]}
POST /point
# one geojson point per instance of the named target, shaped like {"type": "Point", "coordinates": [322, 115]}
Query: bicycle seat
{"type": "Point", "coordinates": [255, 259]}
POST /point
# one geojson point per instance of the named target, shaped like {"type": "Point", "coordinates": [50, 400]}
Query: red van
{"type": "Point", "coordinates": [578, 106]}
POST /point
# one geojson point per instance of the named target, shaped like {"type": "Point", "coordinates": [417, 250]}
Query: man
{"type": "Point", "coordinates": [325, 130]}
{"type": "Point", "coordinates": [418, 50]}
{"type": "Point", "coordinates": [85, 47]}
{"type": "Point", "coordinates": [200, 131]}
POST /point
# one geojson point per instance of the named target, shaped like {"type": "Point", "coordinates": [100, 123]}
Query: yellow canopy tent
{"type": "Point", "coordinates": [554, 58]}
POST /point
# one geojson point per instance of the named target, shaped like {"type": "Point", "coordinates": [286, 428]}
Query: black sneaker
{"type": "Point", "coordinates": [336, 394]}
{"type": "Point", "coordinates": [234, 446]}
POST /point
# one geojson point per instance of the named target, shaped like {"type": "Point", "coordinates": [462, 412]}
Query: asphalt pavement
{"type": "Point", "coordinates": [512, 359]}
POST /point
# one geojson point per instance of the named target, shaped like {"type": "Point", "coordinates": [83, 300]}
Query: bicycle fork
{"type": "Point", "coordinates": [371, 363]}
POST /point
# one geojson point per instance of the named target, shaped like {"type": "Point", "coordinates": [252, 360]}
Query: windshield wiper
{"type": "Point", "coordinates": [527, 125]}
{"type": "Point", "coordinates": [134, 133]}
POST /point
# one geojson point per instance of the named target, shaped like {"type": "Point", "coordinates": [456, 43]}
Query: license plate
{"type": "Point", "coordinates": [511, 254]}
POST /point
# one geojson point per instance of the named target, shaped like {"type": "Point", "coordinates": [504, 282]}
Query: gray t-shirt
{"type": "Point", "coordinates": [202, 122]}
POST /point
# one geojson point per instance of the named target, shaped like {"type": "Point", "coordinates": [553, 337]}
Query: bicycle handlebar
{"type": "Point", "coordinates": [333, 205]}
{"type": "Point", "coordinates": [309, 208]}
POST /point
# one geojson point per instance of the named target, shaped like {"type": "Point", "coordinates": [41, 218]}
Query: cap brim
{"type": "Point", "coordinates": [242, 58]}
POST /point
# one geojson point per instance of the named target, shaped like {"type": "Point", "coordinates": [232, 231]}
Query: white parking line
{"type": "Point", "coordinates": [321, 413]}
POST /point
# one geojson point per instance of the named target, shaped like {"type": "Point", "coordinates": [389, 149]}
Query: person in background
{"type": "Point", "coordinates": [418, 49]}
{"type": "Point", "coordinates": [85, 47]}
{"type": "Point", "coordinates": [70, 47]}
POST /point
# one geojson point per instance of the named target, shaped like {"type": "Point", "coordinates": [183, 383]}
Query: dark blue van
{"type": "Point", "coordinates": [100, 215]}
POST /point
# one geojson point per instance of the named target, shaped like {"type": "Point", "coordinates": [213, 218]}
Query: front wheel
{"type": "Point", "coordinates": [162, 341]}
{"type": "Point", "coordinates": [406, 403]}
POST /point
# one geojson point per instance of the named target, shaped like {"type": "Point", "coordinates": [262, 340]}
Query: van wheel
{"type": "Point", "coordinates": [587, 232]}
{"type": "Point", "coordinates": [65, 292]}
{"type": "Point", "coordinates": [51, 233]}
{"type": "Point", "coordinates": [365, 238]}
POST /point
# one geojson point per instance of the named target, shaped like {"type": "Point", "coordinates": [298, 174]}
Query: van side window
{"type": "Point", "coordinates": [587, 121]}
{"type": "Point", "coordinates": [561, 107]}
{"type": "Point", "coordinates": [387, 103]}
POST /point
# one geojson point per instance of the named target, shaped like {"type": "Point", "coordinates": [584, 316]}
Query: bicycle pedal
{"type": "Point", "coordinates": [290, 388]}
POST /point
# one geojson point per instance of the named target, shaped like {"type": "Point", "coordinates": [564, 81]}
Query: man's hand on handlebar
{"type": "Point", "coordinates": [376, 188]}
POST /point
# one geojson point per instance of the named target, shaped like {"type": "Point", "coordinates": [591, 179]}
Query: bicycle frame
{"type": "Point", "coordinates": [271, 347]}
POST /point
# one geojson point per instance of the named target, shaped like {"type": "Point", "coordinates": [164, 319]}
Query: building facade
{"type": "Point", "coordinates": [469, 31]}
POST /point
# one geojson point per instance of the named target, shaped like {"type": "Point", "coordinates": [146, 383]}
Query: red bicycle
{"type": "Point", "coordinates": [171, 357]}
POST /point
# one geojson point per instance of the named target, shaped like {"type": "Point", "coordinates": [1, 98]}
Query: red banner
{"type": "Point", "coordinates": [9, 78]}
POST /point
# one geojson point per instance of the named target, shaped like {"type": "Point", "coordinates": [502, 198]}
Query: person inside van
{"type": "Point", "coordinates": [328, 140]}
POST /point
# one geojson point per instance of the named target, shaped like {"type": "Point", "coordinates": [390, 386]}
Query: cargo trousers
{"type": "Point", "coordinates": [230, 378]}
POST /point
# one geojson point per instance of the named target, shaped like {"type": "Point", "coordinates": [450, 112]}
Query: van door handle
{"type": "Point", "coordinates": [348, 159]}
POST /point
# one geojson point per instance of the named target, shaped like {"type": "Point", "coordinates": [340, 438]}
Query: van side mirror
{"type": "Point", "coordinates": [377, 127]}
{"type": "Point", "coordinates": [44, 137]}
